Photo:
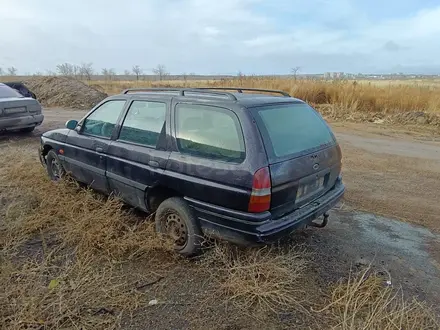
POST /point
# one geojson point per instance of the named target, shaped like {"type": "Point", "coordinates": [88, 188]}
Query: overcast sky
{"type": "Point", "coordinates": [223, 36]}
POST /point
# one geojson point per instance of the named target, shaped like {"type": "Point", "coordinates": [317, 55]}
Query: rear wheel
{"type": "Point", "coordinates": [54, 168]}
{"type": "Point", "coordinates": [175, 219]}
{"type": "Point", "coordinates": [27, 129]}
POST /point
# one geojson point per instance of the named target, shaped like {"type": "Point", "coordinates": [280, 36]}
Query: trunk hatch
{"type": "Point", "coordinates": [18, 107]}
{"type": "Point", "coordinates": [304, 157]}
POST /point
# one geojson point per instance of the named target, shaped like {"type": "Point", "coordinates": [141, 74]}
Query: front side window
{"type": "Point", "coordinates": [144, 123]}
{"type": "Point", "coordinates": [209, 132]}
{"type": "Point", "coordinates": [103, 120]}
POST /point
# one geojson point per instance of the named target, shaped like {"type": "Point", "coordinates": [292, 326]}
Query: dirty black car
{"type": "Point", "coordinates": [237, 164]}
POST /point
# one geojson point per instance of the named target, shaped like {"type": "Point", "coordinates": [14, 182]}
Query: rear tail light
{"type": "Point", "coordinates": [33, 108]}
{"type": "Point", "coordinates": [261, 191]}
{"type": "Point", "coordinates": [340, 155]}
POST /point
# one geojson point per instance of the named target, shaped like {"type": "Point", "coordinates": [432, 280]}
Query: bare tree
{"type": "Point", "coordinates": [160, 71]}
{"type": "Point", "coordinates": [12, 71]}
{"type": "Point", "coordinates": [65, 69]}
{"type": "Point", "coordinates": [1, 72]}
{"type": "Point", "coordinates": [108, 74]}
{"type": "Point", "coordinates": [295, 71]}
{"type": "Point", "coordinates": [112, 73]}
{"type": "Point", "coordinates": [127, 73]}
{"type": "Point", "coordinates": [77, 71]}
{"type": "Point", "coordinates": [137, 71]}
{"type": "Point", "coordinates": [38, 73]}
{"type": "Point", "coordinates": [86, 70]}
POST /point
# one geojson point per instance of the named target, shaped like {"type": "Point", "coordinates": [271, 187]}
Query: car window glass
{"type": "Point", "coordinates": [6, 91]}
{"type": "Point", "coordinates": [291, 128]}
{"type": "Point", "coordinates": [103, 120]}
{"type": "Point", "coordinates": [143, 123]}
{"type": "Point", "coordinates": [209, 132]}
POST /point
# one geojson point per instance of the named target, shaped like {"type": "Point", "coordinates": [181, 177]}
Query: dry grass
{"type": "Point", "coordinates": [61, 292]}
{"type": "Point", "coordinates": [90, 221]}
{"type": "Point", "coordinates": [365, 301]}
{"type": "Point", "coordinates": [265, 279]}
{"type": "Point", "coordinates": [63, 252]}
{"type": "Point", "coordinates": [61, 247]}
{"type": "Point", "coordinates": [346, 96]}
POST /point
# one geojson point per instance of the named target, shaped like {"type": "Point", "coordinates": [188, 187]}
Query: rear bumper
{"type": "Point", "coordinates": [254, 228]}
{"type": "Point", "coordinates": [20, 122]}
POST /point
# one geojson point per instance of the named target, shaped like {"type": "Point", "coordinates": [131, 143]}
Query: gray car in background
{"type": "Point", "coordinates": [18, 112]}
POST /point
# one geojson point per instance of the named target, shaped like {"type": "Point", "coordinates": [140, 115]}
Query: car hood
{"type": "Point", "coordinates": [59, 134]}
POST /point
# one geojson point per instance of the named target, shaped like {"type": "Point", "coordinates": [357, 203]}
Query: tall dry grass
{"type": "Point", "coordinates": [346, 96]}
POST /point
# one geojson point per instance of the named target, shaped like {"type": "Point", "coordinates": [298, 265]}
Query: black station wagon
{"type": "Point", "coordinates": [246, 167]}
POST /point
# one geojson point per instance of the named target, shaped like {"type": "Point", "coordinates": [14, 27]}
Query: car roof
{"type": "Point", "coordinates": [251, 100]}
{"type": "Point", "coordinates": [14, 83]}
{"type": "Point", "coordinates": [244, 99]}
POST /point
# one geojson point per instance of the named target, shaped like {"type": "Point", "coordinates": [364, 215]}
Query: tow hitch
{"type": "Point", "coordinates": [322, 224]}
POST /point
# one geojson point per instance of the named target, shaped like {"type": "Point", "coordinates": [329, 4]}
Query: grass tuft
{"type": "Point", "coordinates": [365, 301]}
{"type": "Point", "coordinates": [267, 279]}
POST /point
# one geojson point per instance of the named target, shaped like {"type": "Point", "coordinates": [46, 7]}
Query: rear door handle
{"type": "Point", "coordinates": [99, 150]}
{"type": "Point", "coordinates": [153, 163]}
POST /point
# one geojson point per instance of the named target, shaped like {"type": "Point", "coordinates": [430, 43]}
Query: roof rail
{"type": "Point", "coordinates": [240, 90]}
{"type": "Point", "coordinates": [182, 91]}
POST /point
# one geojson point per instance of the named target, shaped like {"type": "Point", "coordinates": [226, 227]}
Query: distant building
{"type": "Point", "coordinates": [334, 75]}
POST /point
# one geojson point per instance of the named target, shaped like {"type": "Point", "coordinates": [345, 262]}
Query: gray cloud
{"type": "Point", "coordinates": [391, 46]}
{"type": "Point", "coordinates": [222, 37]}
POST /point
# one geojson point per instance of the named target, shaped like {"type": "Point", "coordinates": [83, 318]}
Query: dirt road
{"type": "Point", "coordinates": [393, 181]}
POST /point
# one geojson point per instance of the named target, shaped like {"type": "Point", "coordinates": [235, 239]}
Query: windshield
{"type": "Point", "coordinates": [6, 91]}
{"type": "Point", "coordinates": [292, 128]}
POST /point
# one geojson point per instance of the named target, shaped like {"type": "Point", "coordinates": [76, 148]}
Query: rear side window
{"type": "Point", "coordinates": [209, 132]}
{"type": "Point", "coordinates": [103, 120]}
{"type": "Point", "coordinates": [144, 123]}
{"type": "Point", "coordinates": [292, 128]}
{"type": "Point", "coordinates": [6, 91]}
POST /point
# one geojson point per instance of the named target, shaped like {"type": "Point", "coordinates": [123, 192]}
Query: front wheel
{"type": "Point", "coordinates": [55, 169]}
{"type": "Point", "coordinates": [175, 219]}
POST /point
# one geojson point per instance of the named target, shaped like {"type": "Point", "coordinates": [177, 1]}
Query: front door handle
{"type": "Point", "coordinates": [99, 150]}
{"type": "Point", "coordinates": [153, 163]}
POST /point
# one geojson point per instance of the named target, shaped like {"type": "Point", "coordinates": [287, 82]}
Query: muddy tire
{"type": "Point", "coordinates": [175, 219]}
{"type": "Point", "coordinates": [55, 169]}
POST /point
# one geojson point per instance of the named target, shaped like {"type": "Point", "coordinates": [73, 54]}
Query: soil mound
{"type": "Point", "coordinates": [64, 92]}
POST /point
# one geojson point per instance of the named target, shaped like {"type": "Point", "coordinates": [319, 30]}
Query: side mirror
{"type": "Point", "coordinates": [71, 124]}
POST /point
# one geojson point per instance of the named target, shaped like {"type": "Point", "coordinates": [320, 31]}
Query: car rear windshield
{"type": "Point", "coordinates": [291, 129]}
{"type": "Point", "coordinates": [6, 91]}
